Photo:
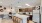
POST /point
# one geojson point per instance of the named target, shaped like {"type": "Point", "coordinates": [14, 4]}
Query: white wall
{"type": "Point", "coordinates": [41, 11]}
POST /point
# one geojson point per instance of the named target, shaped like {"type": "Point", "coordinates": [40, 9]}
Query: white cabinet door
{"type": "Point", "coordinates": [36, 16]}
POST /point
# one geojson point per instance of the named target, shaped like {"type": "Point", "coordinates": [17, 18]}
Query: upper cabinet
{"type": "Point", "coordinates": [25, 10]}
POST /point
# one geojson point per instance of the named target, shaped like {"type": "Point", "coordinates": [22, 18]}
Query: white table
{"type": "Point", "coordinates": [23, 17]}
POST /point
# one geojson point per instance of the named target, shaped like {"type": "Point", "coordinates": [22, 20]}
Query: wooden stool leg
{"type": "Point", "coordinates": [16, 19]}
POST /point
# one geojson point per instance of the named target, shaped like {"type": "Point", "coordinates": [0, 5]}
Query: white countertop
{"type": "Point", "coordinates": [21, 16]}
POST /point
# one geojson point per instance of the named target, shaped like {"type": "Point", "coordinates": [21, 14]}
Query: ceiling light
{"type": "Point", "coordinates": [19, 6]}
{"type": "Point", "coordinates": [8, 10]}
{"type": "Point", "coordinates": [27, 4]}
{"type": "Point", "coordinates": [0, 2]}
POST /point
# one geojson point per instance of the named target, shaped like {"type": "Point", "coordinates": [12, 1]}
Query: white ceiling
{"type": "Point", "coordinates": [20, 2]}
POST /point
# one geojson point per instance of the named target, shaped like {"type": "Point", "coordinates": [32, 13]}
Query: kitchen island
{"type": "Point", "coordinates": [23, 17]}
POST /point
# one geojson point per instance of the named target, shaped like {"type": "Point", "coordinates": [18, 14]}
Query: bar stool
{"type": "Point", "coordinates": [14, 19]}
{"type": "Point", "coordinates": [19, 20]}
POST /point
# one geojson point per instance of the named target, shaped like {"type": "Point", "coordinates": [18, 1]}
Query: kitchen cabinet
{"type": "Point", "coordinates": [36, 16]}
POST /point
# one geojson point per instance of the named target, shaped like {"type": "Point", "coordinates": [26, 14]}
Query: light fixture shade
{"type": "Point", "coordinates": [8, 10]}
{"type": "Point", "coordinates": [27, 4]}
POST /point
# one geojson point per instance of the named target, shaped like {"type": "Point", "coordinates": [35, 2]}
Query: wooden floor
{"type": "Point", "coordinates": [30, 21]}
{"type": "Point", "coordinates": [6, 21]}
{"type": "Point", "coordinates": [10, 21]}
